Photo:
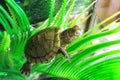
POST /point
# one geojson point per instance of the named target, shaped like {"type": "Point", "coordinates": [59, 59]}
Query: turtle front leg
{"type": "Point", "coordinates": [62, 50]}
{"type": "Point", "coordinates": [26, 68]}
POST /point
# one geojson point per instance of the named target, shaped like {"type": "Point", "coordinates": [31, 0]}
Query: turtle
{"type": "Point", "coordinates": [47, 44]}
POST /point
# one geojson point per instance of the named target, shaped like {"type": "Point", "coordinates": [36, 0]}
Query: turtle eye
{"type": "Point", "coordinates": [77, 33]}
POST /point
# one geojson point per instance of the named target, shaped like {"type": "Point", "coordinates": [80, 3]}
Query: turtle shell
{"type": "Point", "coordinates": [43, 46]}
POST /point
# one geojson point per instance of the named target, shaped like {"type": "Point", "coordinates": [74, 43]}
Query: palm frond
{"type": "Point", "coordinates": [20, 16]}
{"type": "Point", "coordinates": [13, 40]}
{"type": "Point", "coordinates": [83, 40]}
{"type": "Point", "coordinates": [82, 66]}
{"type": "Point", "coordinates": [4, 42]}
{"type": "Point", "coordinates": [4, 22]}
{"type": "Point", "coordinates": [75, 69]}
{"type": "Point", "coordinates": [51, 12]}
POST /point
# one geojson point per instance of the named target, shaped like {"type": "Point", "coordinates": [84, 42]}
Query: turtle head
{"type": "Point", "coordinates": [69, 35]}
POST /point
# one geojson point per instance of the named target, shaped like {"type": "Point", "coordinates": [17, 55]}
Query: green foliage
{"type": "Point", "coordinates": [75, 69]}
{"type": "Point", "coordinates": [17, 32]}
{"type": "Point", "coordinates": [12, 41]}
{"type": "Point", "coordinates": [40, 12]}
{"type": "Point", "coordinates": [51, 12]}
{"type": "Point", "coordinates": [4, 42]}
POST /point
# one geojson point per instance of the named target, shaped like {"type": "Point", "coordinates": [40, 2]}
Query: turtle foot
{"type": "Point", "coordinates": [62, 50]}
{"type": "Point", "coordinates": [26, 68]}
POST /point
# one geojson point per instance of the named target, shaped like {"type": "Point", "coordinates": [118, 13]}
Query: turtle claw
{"type": "Point", "coordinates": [25, 68]}
{"type": "Point", "coordinates": [61, 50]}
{"type": "Point", "coordinates": [68, 59]}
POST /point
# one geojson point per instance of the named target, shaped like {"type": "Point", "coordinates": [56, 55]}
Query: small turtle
{"type": "Point", "coordinates": [47, 44]}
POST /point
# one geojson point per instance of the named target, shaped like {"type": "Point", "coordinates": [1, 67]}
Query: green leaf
{"type": "Point", "coordinates": [10, 20]}
{"type": "Point", "coordinates": [13, 40]}
{"type": "Point", "coordinates": [22, 19]}
{"type": "Point", "coordinates": [51, 11]}
{"type": "Point", "coordinates": [5, 23]}
{"type": "Point", "coordinates": [5, 42]}
{"type": "Point", "coordinates": [83, 40]}
{"type": "Point", "coordinates": [73, 70]}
